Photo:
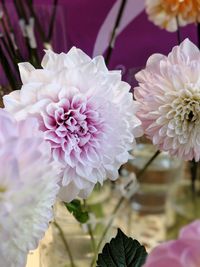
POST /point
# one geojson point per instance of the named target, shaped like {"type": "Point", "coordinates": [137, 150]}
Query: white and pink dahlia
{"type": "Point", "coordinates": [86, 113]}
{"type": "Point", "coordinates": [28, 188]}
{"type": "Point", "coordinates": [169, 98]}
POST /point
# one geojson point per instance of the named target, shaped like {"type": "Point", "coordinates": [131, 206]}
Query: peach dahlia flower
{"type": "Point", "coordinates": [164, 13]}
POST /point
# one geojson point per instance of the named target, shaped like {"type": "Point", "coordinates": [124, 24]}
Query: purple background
{"type": "Point", "coordinates": [83, 19]}
{"type": "Point", "coordinates": [80, 20]}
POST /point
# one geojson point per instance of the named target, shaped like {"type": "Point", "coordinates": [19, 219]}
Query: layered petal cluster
{"type": "Point", "coordinates": [28, 188]}
{"type": "Point", "coordinates": [167, 14]}
{"type": "Point", "coordinates": [183, 252]}
{"type": "Point", "coordinates": [86, 113]}
{"type": "Point", "coordinates": [169, 98]}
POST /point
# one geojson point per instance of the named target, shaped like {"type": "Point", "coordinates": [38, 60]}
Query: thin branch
{"type": "Point", "coordinates": [52, 21]}
{"type": "Point", "coordinates": [7, 69]}
{"type": "Point", "coordinates": [6, 34]}
{"type": "Point", "coordinates": [178, 31]}
{"type": "Point", "coordinates": [9, 52]}
{"type": "Point", "coordinates": [37, 22]}
{"type": "Point", "coordinates": [11, 33]}
{"type": "Point", "coordinates": [114, 32]}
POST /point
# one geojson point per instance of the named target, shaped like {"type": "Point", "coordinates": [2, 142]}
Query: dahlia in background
{"type": "Point", "coordinates": [183, 252]}
{"type": "Point", "coordinates": [86, 113]}
{"type": "Point", "coordinates": [169, 98]}
{"type": "Point", "coordinates": [165, 13]}
{"type": "Point", "coordinates": [28, 188]}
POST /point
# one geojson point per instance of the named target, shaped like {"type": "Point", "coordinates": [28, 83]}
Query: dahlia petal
{"type": "Point", "coordinates": [12, 101]}
{"type": "Point", "coordinates": [25, 69]}
{"type": "Point", "coordinates": [100, 64]}
{"type": "Point", "coordinates": [84, 193]}
{"type": "Point", "coordinates": [68, 193]}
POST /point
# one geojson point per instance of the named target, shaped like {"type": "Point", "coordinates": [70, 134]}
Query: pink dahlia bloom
{"type": "Point", "coordinates": [86, 113]}
{"type": "Point", "coordinates": [169, 99]}
{"type": "Point", "coordinates": [183, 252]}
{"type": "Point", "coordinates": [28, 188]}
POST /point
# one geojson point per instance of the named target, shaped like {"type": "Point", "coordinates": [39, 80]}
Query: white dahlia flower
{"type": "Point", "coordinates": [169, 98]}
{"type": "Point", "coordinates": [86, 113]}
{"type": "Point", "coordinates": [28, 189]}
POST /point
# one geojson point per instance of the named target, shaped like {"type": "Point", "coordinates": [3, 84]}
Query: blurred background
{"type": "Point", "coordinates": [27, 27]}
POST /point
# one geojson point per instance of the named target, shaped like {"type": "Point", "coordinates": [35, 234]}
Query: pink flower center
{"type": "Point", "coordinates": [72, 125]}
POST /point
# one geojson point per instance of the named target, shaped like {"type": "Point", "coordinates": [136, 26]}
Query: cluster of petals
{"type": "Point", "coordinates": [169, 98]}
{"type": "Point", "coordinates": [183, 252]}
{"type": "Point", "coordinates": [169, 14]}
{"type": "Point", "coordinates": [87, 115]}
{"type": "Point", "coordinates": [28, 188]}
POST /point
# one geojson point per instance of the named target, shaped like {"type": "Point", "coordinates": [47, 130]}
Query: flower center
{"type": "Point", "coordinates": [72, 125]}
{"type": "Point", "coordinates": [188, 109]}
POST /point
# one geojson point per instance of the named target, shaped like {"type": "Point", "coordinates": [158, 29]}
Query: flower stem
{"type": "Point", "coordinates": [65, 243]}
{"type": "Point", "coordinates": [143, 170]}
{"type": "Point", "coordinates": [90, 232]}
{"type": "Point", "coordinates": [92, 237]}
{"type": "Point", "coordinates": [114, 32]}
{"type": "Point", "coordinates": [194, 171]}
{"type": "Point", "coordinates": [117, 207]}
{"type": "Point", "coordinates": [106, 229]}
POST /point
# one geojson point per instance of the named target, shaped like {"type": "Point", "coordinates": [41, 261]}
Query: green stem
{"type": "Point", "coordinates": [117, 207]}
{"type": "Point", "coordinates": [106, 230]}
{"type": "Point", "coordinates": [65, 243]}
{"type": "Point", "coordinates": [92, 237]}
{"type": "Point", "coordinates": [194, 171]}
{"type": "Point", "coordinates": [140, 174]}
{"type": "Point", "coordinates": [90, 232]}
{"type": "Point", "coordinates": [143, 170]}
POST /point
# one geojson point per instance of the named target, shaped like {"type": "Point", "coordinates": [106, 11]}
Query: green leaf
{"type": "Point", "coordinates": [77, 210]}
{"type": "Point", "coordinates": [122, 251]}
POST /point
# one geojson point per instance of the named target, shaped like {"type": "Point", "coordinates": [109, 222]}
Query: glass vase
{"type": "Point", "coordinates": [148, 219]}
{"type": "Point", "coordinates": [156, 181]}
